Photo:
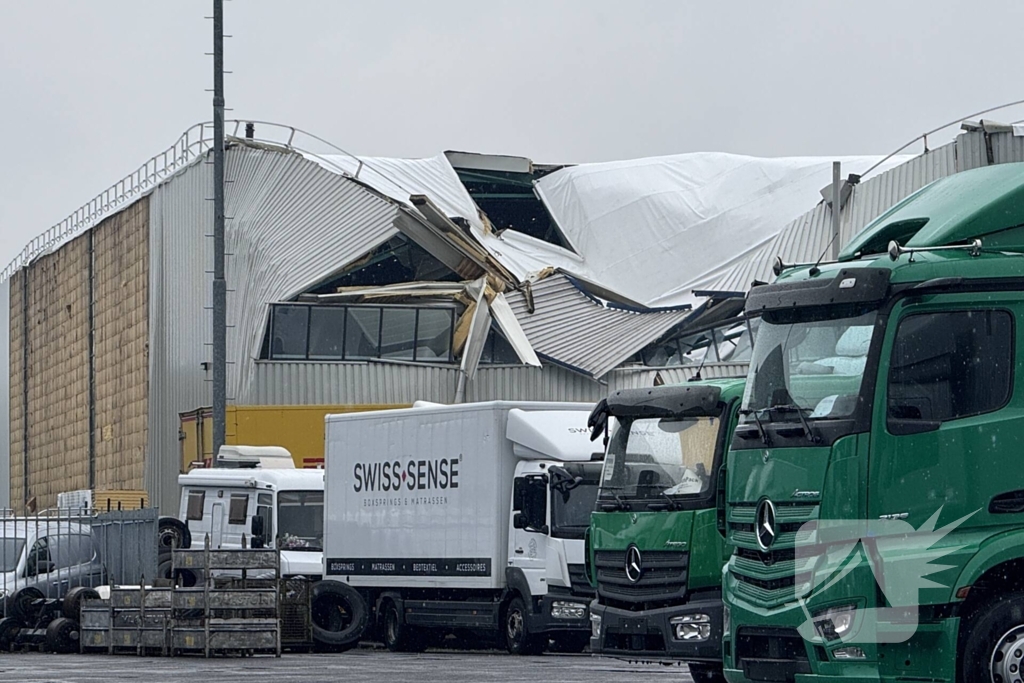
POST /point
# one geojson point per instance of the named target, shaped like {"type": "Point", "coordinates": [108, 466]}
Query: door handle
{"type": "Point", "coordinates": [519, 551]}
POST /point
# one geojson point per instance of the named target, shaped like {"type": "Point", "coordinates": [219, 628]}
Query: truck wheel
{"type": "Point", "coordinates": [10, 628]}
{"type": "Point", "coordinates": [62, 636]}
{"type": "Point", "coordinates": [518, 639]}
{"type": "Point", "coordinates": [339, 616]}
{"type": "Point", "coordinates": [994, 642]}
{"type": "Point", "coordinates": [71, 606]}
{"type": "Point", "coordinates": [707, 673]}
{"type": "Point", "coordinates": [399, 637]}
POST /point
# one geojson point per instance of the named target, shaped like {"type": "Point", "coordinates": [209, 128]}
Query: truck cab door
{"type": "Point", "coordinates": [945, 427]}
{"type": "Point", "coordinates": [528, 537]}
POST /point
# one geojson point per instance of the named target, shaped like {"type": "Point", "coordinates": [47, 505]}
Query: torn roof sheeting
{"type": "Point", "coordinates": [572, 329]}
{"type": "Point", "coordinates": [650, 229]}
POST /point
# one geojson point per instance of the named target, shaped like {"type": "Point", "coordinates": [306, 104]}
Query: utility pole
{"type": "Point", "coordinates": [219, 282]}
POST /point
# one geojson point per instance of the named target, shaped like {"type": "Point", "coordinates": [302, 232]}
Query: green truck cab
{"type": "Point", "coordinates": [655, 546]}
{"type": "Point", "coordinates": [875, 498]}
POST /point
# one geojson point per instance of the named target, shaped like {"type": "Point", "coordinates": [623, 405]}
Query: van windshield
{"type": "Point", "coordinates": [808, 369]}
{"type": "Point", "coordinates": [661, 458]}
{"type": "Point", "coordinates": [300, 520]}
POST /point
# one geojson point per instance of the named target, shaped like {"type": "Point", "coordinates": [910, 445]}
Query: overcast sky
{"type": "Point", "coordinates": [89, 90]}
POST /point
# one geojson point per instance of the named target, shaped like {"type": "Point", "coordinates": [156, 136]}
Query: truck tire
{"type": "Point", "coordinates": [993, 642]}
{"type": "Point", "coordinates": [62, 636]}
{"type": "Point", "coordinates": [10, 628]}
{"type": "Point", "coordinates": [400, 637]}
{"type": "Point", "coordinates": [21, 604]}
{"type": "Point", "coordinates": [518, 639]}
{"type": "Point", "coordinates": [707, 673]}
{"type": "Point", "coordinates": [339, 616]}
{"type": "Point", "coordinates": [172, 533]}
{"type": "Point", "coordinates": [71, 606]}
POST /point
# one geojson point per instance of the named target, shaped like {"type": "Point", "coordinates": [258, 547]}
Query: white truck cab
{"type": "Point", "coordinates": [274, 508]}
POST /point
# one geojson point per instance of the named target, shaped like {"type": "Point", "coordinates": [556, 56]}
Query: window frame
{"type": "Point", "coordinates": [243, 498]}
{"type": "Point", "coordinates": [189, 514]}
{"type": "Point", "coordinates": [1011, 358]}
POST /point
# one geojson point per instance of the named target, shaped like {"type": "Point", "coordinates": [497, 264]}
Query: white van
{"type": "Point", "coordinates": [287, 504]}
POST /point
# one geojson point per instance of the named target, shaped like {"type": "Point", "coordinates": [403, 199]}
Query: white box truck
{"type": "Point", "coordinates": [466, 519]}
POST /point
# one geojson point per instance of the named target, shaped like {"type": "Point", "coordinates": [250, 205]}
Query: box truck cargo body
{"type": "Point", "coordinates": [465, 518]}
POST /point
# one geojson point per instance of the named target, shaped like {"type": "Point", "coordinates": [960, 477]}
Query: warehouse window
{"type": "Point", "coordinates": [360, 332]}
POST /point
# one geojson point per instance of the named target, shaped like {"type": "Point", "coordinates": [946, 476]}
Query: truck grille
{"type": "Point", "coordinates": [770, 579]}
{"type": "Point", "coordinates": [662, 579]}
{"type": "Point", "coordinates": [578, 580]}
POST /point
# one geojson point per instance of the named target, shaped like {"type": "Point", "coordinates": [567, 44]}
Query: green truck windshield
{"type": "Point", "coordinates": [654, 458]}
{"type": "Point", "coordinates": [814, 366]}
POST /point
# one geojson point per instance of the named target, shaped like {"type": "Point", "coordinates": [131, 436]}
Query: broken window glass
{"type": "Point", "coordinates": [398, 334]}
{"type": "Point", "coordinates": [362, 333]}
{"type": "Point", "coordinates": [434, 335]}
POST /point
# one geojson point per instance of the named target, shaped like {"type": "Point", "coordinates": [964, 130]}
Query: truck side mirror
{"type": "Point", "coordinates": [520, 521]}
{"type": "Point", "coordinates": [256, 527]}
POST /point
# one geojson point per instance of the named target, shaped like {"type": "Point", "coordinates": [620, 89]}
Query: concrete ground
{"type": "Point", "coordinates": [364, 665]}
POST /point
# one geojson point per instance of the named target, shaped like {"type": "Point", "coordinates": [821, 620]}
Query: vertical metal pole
{"type": "Point", "coordinates": [836, 186]}
{"type": "Point", "coordinates": [26, 271]}
{"type": "Point", "coordinates": [219, 282]}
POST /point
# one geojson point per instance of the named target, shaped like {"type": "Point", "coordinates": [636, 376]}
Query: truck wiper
{"type": "Point", "coordinates": [765, 439]}
{"type": "Point", "coordinates": [673, 504]}
{"type": "Point", "coordinates": [793, 408]}
{"type": "Point", "coordinates": [620, 504]}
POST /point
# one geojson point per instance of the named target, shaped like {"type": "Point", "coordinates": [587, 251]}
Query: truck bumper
{"type": "Point", "coordinates": [545, 622]}
{"type": "Point", "coordinates": [651, 634]}
{"type": "Point", "coordinates": [764, 645]}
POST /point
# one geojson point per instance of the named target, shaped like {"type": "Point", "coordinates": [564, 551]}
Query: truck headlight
{"type": "Point", "coordinates": [835, 622]}
{"type": "Point", "coordinates": [692, 627]}
{"type": "Point", "coordinates": [595, 625]}
{"type": "Point", "coordinates": [568, 610]}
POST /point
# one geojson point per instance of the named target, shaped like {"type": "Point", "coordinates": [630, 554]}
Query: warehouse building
{"type": "Point", "coordinates": [363, 283]}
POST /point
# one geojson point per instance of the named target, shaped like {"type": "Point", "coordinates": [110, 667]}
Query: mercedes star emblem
{"type": "Point", "coordinates": [764, 524]}
{"type": "Point", "coordinates": [634, 565]}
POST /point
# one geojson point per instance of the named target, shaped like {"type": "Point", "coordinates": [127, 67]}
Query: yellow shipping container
{"type": "Point", "coordinates": [300, 429]}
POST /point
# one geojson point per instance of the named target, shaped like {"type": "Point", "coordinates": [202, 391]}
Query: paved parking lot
{"type": "Point", "coordinates": [366, 666]}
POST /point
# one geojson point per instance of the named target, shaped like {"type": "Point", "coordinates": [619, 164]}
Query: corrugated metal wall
{"type": "Point", "coordinates": [296, 383]}
{"type": "Point", "coordinates": [291, 223]}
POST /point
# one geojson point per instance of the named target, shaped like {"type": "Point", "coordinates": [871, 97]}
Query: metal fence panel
{"type": "Point", "coordinates": [127, 543]}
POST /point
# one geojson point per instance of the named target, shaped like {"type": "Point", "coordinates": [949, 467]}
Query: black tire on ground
{"type": "Point", "coordinates": [991, 638]}
{"type": "Point", "coordinates": [188, 578]}
{"type": "Point", "coordinates": [339, 616]}
{"type": "Point", "coordinates": [707, 673]}
{"type": "Point", "coordinates": [62, 636]}
{"type": "Point", "coordinates": [22, 604]}
{"type": "Point", "coordinates": [10, 627]}
{"type": "Point", "coordinates": [71, 607]}
{"type": "Point", "coordinates": [173, 533]}
{"type": "Point", "coordinates": [570, 642]}
{"type": "Point", "coordinates": [518, 639]}
{"type": "Point", "coordinates": [400, 637]}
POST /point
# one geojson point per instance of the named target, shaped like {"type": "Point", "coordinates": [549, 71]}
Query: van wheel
{"type": "Point", "coordinates": [994, 641]}
{"type": "Point", "coordinates": [399, 637]}
{"type": "Point", "coordinates": [518, 639]}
